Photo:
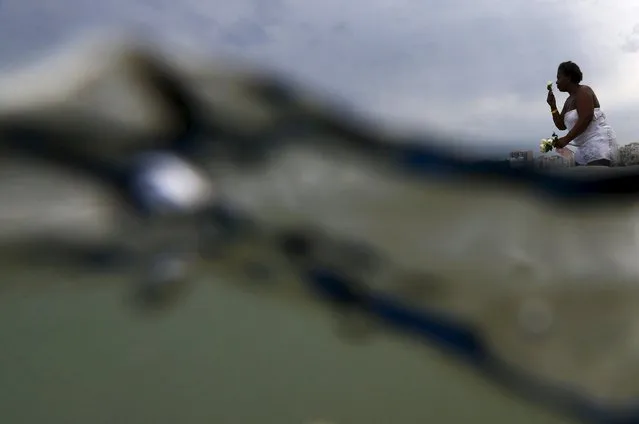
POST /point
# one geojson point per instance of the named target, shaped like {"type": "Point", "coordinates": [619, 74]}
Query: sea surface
{"type": "Point", "coordinates": [74, 350]}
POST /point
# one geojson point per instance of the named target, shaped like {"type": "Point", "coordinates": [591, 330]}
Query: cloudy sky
{"type": "Point", "coordinates": [477, 69]}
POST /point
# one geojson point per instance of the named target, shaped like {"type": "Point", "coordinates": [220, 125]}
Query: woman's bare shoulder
{"type": "Point", "coordinates": [586, 89]}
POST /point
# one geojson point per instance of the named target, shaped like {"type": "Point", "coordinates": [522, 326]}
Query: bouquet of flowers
{"type": "Point", "coordinates": [547, 144]}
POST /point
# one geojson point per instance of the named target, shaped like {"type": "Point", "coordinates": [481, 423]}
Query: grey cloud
{"type": "Point", "coordinates": [442, 48]}
{"type": "Point", "coordinates": [440, 56]}
{"type": "Point", "coordinates": [631, 44]}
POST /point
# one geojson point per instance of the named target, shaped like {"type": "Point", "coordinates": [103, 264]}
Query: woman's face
{"type": "Point", "coordinates": [563, 82]}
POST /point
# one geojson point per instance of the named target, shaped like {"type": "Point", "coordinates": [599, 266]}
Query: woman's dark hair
{"type": "Point", "coordinates": [572, 71]}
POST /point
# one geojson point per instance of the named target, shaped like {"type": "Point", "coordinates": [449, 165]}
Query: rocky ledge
{"type": "Point", "coordinates": [628, 155]}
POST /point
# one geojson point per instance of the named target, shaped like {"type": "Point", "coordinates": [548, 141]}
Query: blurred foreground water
{"type": "Point", "coordinates": [73, 350]}
{"type": "Point", "coordinates": [232, 352]}
{"type": "Point", "coordinates": [73, 353]}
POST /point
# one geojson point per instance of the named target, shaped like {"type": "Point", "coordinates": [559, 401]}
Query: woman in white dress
{"type": "Point", "coordinates": [588, 129]}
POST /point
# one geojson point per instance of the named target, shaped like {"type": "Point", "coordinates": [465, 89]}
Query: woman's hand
{"type": "Point", "coordinates": [552, 102]}
{"type": "Point", "coordinates": [561, 142]}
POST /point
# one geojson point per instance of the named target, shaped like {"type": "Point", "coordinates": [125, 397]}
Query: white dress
{"type": "Point", "coordinates": [597, 142]}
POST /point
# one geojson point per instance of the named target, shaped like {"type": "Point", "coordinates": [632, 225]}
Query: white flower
{"type": "Point", "coordinates": [546, 145]}
{"type": "Point", "coordinates": [549, 85]}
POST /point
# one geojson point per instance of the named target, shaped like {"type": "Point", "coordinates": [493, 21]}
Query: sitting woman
{"type": "Point", "coordinates": [588, 129]}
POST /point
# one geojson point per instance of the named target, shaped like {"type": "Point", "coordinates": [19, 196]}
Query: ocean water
{"type": "Point", "coordinates": [74, 351]}
{"type": "Point", "coordinates": [232, 351]}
